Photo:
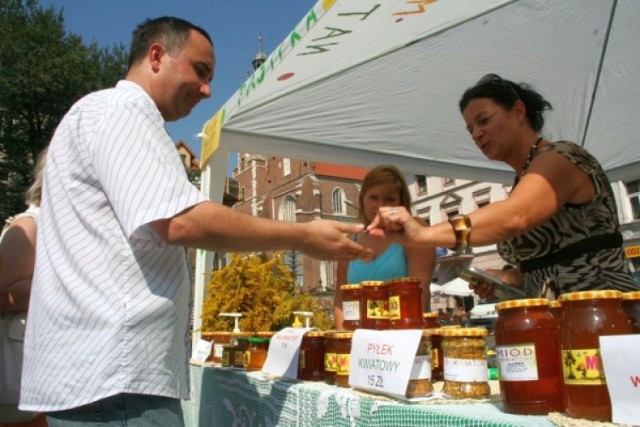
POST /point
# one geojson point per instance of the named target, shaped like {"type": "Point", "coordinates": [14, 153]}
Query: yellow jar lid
{"type": "Point", "coordinates": [241, 334]}
{"type": "Point", "coordinates": [519, 303]}
{"type": "Point", "coordinates": [451, 326]}
{"type": "Point", "coordinates": [315, 334]}
{"type": "Point", "coordinates": [426, 332]}
{"type": "Point", "coordinates": [431, 314]}
{"type": "Point", "coordinates": [589, 295]}
{"type": "Point", "coordinates": [342, 335]}
{"type": "Point", "coordinates": [404, 280]}
{"type": "Point", "coordinates": [465, 332]}
{"type": "Point", "coordinates": [265, 334]}
{"type": "Point", "coordinates": [373, 283]}
{"type": "Point", "coordinates": [631, 295]}
{"type": "Point", "coordinates": [219, 333]}
{"type": "Point", "coordinates": [349, 286]}
{"type": "Point", "coordinates": [555, 304]}
{"type": "Point", "coordinates": [434, 331]}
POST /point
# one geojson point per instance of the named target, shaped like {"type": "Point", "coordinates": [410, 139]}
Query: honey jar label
{"type": "Point", "coordinates": [421, 368]}
{"type": "Point", "coordinates": [434, 358]}
{"type": "Point", "coordinates": [330, 362]}
{"type": "Point", "coordinates": [351, 310]}
{"type": "Point", "coordinates": [517, 362]}
{"type": "Point", "coordinates": [343, 361]}
{"type": "Point", "coordinates": [394, 308]}
{"type": "Point", "coordinates": [377, 309]}
{"type": "Point", "coordinates": [583, 367]}
{"type": "Point", "coordinates": [465, 370]}
{"type": "Point", "coordinates": [301, 360]}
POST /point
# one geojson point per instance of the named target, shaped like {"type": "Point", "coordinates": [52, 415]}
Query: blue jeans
{"type": "Point", "coordinates": [130, 410]}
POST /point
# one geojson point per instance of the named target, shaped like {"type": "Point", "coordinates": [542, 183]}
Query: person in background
{"type": "Point", "coordinates": [558, 227]}
{"type": "Point", "coordinates": [17, 255]}
{"type": "Point", "coordinates": [384, 186]}
{"type": "Point", "coordinates": [107, 339]}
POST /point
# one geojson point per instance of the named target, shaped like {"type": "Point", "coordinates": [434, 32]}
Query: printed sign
{"type": "Point", "coordinates": [203, 349]}
{"type": "Point", "coordinates": [382, 361]}
{"type": "Point", "coordinates": [284, 350]}
{"type": "Point", "coordinates": [622, 368]}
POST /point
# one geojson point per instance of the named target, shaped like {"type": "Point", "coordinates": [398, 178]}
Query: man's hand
{"type": "Point", "coordinates": [330, 240]}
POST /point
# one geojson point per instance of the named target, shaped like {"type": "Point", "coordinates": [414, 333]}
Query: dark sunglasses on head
{"type": "Point", "coordinates": [494, 79]}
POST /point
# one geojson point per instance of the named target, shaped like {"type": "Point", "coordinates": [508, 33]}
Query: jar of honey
{"type": "Point", "coordinates": [587, 316]}
{"type": "Point", "coordinates": [528, 351]}
{"type": "Point", "coordinates": [228, 355]}
{"type": "Point", "coordinates": [430, 321]}
{"type": "Point", "coordinates": [631, 307]}
{"type": "Point", "coordinates": [465, 363]}
{"type": "Point", "coordinates": [437, 357]}
{"type": "Point", "coordinates": [405, 303]}
{"type": "Point", "coordinates": [256, 353]}
{"type": "Point", "coordinates": [330, 357]}
{"type": "Point", "coordinates": [342, 345]}
{"type": "Point", "coordinates": [420, 378]}
{"type": "Point", "coordinates": [311, 357]}
{"type": "Point", "coordinates": [242, 343]}
{"type": "Point", "coordinates": [555, 307]}
{"type": "Point", "coordinates": [375, 305]}
{"type": "Point", "coordinates": [351, 295]}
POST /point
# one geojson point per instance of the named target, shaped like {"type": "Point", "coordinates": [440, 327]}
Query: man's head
{"type": "Point", "coordinates": [173, 61]}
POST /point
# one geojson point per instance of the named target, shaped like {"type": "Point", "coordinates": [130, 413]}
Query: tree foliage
{"type": "Point", "coordinates": [43, 71]}
{"type": "Point", "coordinates": [263, 290]}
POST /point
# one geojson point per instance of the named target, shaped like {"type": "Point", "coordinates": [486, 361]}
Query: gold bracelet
{"type": "Point", "coordinates": [461, 225]}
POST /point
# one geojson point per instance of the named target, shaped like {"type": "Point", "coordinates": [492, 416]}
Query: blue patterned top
{"type": "Point", "coordinates": [390, 264]}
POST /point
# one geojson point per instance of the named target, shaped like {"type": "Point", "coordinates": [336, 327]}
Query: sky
{"type": "Point", "coordinates": [234, 26]}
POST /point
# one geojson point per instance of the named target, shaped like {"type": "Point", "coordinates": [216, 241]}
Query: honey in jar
{"type": "Point", "coordinates": [437, 357]}
{"type": "Point", "coordinates": [351, 295]}
{"type": "Point", "coordinates": [586, 316]}
{"type": "Point", "coordinates": [375, 305]}
{"type": "Point", "coordinates": [242, 343]}
{"type": "Point", "coordinates": [311, 357]}
{"type": "Point", "coordinates": [256, 353]}
{"type": "Point", "coordinates": [631, 307]}
{"type": "Point", "coordinates": [528, 351]}
{"type": "Point", "coordinates": [228, 355]}
{"type": "Point", "coordinates": [343, 357]}
{"type": "Point", "coordinates": [330, 358]}
{"type": "Point", "coordinates": [419, 384]}
{"type": "Point", "coordinates": [219, 338]}
{"type": "Point", "coordinates": [430, 320]}
{"type": "Point", "coordinates": [465, 363]}
{"type": "Point", "coordinates": [405, 303]}
{"type": "Point", "coordinates": [555, 307]}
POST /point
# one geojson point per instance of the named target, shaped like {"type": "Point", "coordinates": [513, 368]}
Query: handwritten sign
{"type": "Point", "coordinates": [203, 349]}
{"type": "Point", "coordinates": [382, 361]}
{"type": "Point", "coordinates": [622, 370]}
{"type": "Point", "coordinates": [284, 348]}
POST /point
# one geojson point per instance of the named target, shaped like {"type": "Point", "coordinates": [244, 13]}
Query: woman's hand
{"type": "Point", "coordinates": [398, 225]}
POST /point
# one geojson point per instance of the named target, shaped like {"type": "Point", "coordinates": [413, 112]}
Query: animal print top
{"type": "Point", "coordinates": [602, 269]}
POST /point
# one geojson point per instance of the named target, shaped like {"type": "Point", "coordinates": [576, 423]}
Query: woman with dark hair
{"type": "Point", "coordinates": [384, 185]}
{"type": "Point", "coordinates": [559, 226]}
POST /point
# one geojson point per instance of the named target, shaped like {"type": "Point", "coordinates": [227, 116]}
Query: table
{"type": "Point", "coordinates": [229, 397]}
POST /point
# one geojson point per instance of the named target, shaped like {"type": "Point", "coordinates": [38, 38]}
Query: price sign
{"type": "Point", "coordinates": [381, 361]}
{"type": "Point", "coordinates": [622, 370]}
{"type": "Point", "coordinates": [284, 348]}
{"type": "Point", "coordinates": [203, 349]}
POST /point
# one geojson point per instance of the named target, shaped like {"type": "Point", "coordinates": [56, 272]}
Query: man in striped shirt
{"type": "Point", "coordinates": [107, 337]}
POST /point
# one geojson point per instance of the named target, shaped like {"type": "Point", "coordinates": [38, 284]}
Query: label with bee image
{"type": "Point", "coordinates": [583, 367]}
{"type": "Point", "coordinates": [377, 309]}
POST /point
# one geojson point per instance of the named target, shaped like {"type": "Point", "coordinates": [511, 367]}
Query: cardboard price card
{"type": "Point", "coordinates": [381, 361]}
{"type": "Point", "coordinates": [284, 348]}
{"type": "Point", "coordinates": [622, 371]}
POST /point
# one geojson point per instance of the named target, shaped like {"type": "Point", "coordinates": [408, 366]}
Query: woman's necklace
{"type": "Point", "coordinates": [532, 152]}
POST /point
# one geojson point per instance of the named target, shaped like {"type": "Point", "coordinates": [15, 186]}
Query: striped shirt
{"type": "Point", "coordinates": [110, 300]}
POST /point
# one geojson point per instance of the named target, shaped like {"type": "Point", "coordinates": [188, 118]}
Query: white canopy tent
{"type": "Point", "coordinates": [363, 83]}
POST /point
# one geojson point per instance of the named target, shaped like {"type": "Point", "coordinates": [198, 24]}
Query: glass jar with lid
{"type": "Point", "coordinates": [242, 343]}
{"type": "Point", "coordinates": [256, 353]}
{"type": "Point", "coordinates": [437, 357]}
{"type": "Point", "coordinates": [311, 357]}
{"type": "Point", "coordinates": [586, 317]}
{"type": "Point", "coordinates": [351, 295]}
{"type": "Point", "coordinates": [375, 305]}
{"type": "Point", "coordinates": [330, 358]}
{"type": "Point", "coordinates": [555, 307]}
{"type": "Point", "coordinates": [465, 363]}
{"type": "Point", "coordinates": [528, 351]}
{"type": "Point", "coordinates": [631, 307]}
{"type": "Point", "coordinates": [405, 303]}
{"type": "Point", "coordinates": [342, 346]}
{"type": "Point", "coordinates": [430, 320]}
{"type": "Point", "coordinates": [419, 384]}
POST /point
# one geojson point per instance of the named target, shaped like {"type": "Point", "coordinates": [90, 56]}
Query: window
{"type": "Point", "coordinates": [452, 212]}
{"type": "Point", "coordinates": [633, 192]}
{"type": "Point", "coordinates": [447, 182]}
{"type": "Point", "coordinates": [421, 181]}
{"type": "Point", "coordinates": [482, 197]}
{"type": "Point", "coordinates": [286, 167]}
{"type": "Point", "coordinates": [338, 201]}
{"type": "Point", "coordinates": [287, 210]}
